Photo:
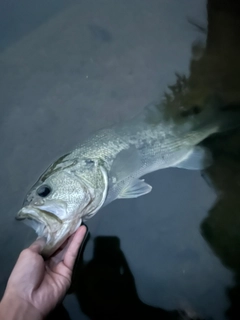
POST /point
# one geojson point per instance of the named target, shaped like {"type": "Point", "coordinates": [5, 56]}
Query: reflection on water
{"type": "Point", "coordinates": [216, 72]}
{"type": "Point", "coordinates": [221, 228]}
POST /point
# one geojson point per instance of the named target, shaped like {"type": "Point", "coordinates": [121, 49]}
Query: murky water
{"type": "Point", "coordinates": [72, 68]}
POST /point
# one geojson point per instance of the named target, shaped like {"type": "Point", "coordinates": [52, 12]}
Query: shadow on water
{"type": "Point", "coordinates": [105, 288]}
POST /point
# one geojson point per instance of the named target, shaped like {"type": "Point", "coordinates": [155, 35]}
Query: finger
{"type": "Point", "coordinates": [73, 248]}
{"type": "Point", "coordinates": [38, 245]}
{"type": "Point", "coordinates": [60, 253]}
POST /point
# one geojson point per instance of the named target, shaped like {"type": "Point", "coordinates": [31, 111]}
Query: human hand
{"type": "Point", "coordinates": [35, 286]}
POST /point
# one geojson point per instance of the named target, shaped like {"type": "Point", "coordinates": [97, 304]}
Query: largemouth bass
{"type": "Point", "coordinates": [108, 167]}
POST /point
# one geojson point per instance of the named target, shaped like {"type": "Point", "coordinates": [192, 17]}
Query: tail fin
{"type": "Point", "coordinates": [214, 114]}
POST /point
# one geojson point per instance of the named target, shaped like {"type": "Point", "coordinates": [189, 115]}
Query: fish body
{"type": "Point", "coordinates": [108, 166]}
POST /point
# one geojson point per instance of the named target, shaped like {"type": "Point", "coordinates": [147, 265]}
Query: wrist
{"type": "Point", "coordinates": [14, 308]}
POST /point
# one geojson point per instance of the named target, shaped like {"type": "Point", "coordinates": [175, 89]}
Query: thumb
{"type": "Point", "coordinates": [38, 245]}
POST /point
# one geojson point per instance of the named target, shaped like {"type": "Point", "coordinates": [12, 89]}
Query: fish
{"type": "Point", "coordinates": [110, 165]}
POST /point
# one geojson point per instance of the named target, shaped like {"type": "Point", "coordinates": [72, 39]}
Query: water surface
{"type": "Point", "coordinates": [75, 67]}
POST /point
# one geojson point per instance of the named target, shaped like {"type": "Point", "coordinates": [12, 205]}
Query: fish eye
{"type": "Point", "coordinates": [43, 191]}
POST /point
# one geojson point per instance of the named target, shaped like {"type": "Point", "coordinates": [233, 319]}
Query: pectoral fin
{"type": "Point", "coordinates": [135, 189]}
{"type": "Point", "coordinates": [198, 159]}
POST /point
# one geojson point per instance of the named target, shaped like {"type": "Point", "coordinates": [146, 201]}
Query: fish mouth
{"type": "Point", "coordinates": [45, 223]}
{"type": "Point", "coordinates": [49, 222]}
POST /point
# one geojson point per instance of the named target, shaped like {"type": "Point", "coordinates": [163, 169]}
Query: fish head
{"type": "Point", "coordinates": [70, 191]}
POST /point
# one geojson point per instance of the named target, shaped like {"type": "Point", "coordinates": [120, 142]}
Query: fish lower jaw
{"type": "Point", "coordinates": [37, 220]}
{"type": "Point", "coordinates": [42, 229]}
